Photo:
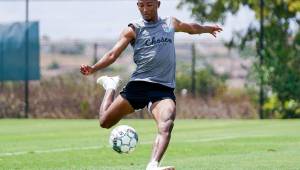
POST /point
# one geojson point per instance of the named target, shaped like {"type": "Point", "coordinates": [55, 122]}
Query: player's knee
{"type": "Point", "coordinates": [170, 111]}
{"type": "Point", "coordinates": [104, 123]}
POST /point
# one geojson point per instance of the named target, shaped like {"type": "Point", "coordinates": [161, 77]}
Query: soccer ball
{"type": "Point", "coordinates": [123, 139]}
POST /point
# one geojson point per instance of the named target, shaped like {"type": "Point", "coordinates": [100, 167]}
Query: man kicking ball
{"type": "Point", "coordinates": [152, 83]}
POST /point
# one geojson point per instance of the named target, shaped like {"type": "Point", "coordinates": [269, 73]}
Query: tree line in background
{"type": "Point", "coordinates": [279, 71]}
{"type": "Point", "coordinates": [75, 96]}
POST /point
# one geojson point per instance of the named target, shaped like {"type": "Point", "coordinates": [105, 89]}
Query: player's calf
{"type": "Point", "coordinates": [165, 128]}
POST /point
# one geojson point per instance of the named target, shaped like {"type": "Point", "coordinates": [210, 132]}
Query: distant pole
{"type": "Point", "coordinates": [261, 59]}
{"type": "Point", "coordinates": [193, 69]}
{"type": "Point", "coordinates": [95, 53]}
{"type": "Point", "coordinates": [26, 61]}
{"type": "Point", "coordinates": [1, 65]}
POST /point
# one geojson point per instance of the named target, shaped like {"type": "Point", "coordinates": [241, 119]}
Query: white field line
{"type": "Point", "coordinates": [50, 150]}
{"type": "Point", "coordinates": [99, 147]}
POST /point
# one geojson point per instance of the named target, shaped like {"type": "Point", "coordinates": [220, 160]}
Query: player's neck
{"type": "Point", "coordinates": [153, 20]}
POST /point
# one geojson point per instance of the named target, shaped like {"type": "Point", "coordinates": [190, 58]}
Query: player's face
{"type": "Point", "coordinates": [148, 9]}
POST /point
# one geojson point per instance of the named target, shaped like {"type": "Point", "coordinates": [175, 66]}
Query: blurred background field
{"type": "Point", "coordinates": [216, 78]}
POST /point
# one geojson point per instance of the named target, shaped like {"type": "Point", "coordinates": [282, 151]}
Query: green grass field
{"type": "Point", "coordinates": [195, 145]}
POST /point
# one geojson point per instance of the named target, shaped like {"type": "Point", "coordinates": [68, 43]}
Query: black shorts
{"type": "Point", "coordinates": [140, 93]}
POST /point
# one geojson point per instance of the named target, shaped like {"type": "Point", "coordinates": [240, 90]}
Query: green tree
{"type": "Point", "coordinates": [209, 84]}
{"type": "Point", "coordinates": [281, 64]}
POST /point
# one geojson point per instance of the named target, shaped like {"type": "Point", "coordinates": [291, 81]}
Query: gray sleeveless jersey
{"type": "Point", "coordinates": [154, 52]}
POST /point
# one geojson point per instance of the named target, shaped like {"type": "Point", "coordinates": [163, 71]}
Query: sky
{"type": "Point", "coordinates": [101, 19]}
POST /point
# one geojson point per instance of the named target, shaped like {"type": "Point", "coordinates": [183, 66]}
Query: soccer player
{"type": "Point", "coordinates": [152, 83]}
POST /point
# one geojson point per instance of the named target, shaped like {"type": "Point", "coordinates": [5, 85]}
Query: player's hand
{"type": "Point", "coordinates": [86, 70]}
{"type": "Point", "coordinates": [213, 30]}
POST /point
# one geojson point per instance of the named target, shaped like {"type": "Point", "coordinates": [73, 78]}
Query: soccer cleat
{"type": "Point", "coordinates": [162, 168]}
{"type": "Point", "coordinates": [109, 82]}
{"type": "Point", "coordinates": [154, 166]}
{"type": "Point", "coordinates": [166, 168]}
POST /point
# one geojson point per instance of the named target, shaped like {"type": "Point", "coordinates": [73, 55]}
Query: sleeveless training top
{"type": "Point", "coordinates": [154, 52]}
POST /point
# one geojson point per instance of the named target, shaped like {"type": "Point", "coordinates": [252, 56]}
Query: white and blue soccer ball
{"type": "Point", "coordinates": [123, 139]}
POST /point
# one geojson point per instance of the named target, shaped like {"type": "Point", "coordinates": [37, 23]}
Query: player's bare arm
{"type": "Point", "coordinates": [110, 57]}
{"type": "Point", "coordinates": [194, 28]}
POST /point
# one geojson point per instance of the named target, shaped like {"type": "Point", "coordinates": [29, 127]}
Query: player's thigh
{"type": "Point", "coordinates": [163, 110]}
{"type": "Point", "coordinates": [119, 108]}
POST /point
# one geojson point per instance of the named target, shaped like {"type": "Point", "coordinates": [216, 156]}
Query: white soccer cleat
{"type": "Point", "coordinates": [166, 168]}
{"type": "Point", "coordinates": [154, 166]}
{"type": "Point", "coordinates": [109, 82]}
